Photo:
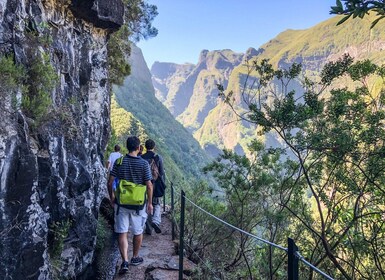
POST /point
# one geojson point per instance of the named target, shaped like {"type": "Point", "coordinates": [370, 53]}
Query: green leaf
{"type": "Point", "coordinates": [344, 19]}
{"type": "Point", "coordinates": [376, 21]}
{"type": "Point", "coordinates": [339, 5]}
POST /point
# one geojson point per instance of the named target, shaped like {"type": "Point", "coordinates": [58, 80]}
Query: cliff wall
{"type": "Point", "coordinates": [51, 167]}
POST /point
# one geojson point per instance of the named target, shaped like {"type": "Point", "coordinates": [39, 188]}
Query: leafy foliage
{"type": "Point", "coordinates": [138, 17]}
{"type": "Point", "coordinates": [11, 75]}
{"type": "Point", "coordinates": [335, 154]}
{"type": "Point", "coordinates": [118, 50]}
{"type": "Point", "coordinates": [42, 79]}
{"type": "Point", "coordinates": [312, 48]}
{"type": "Point", "coordinates": [358, 8]}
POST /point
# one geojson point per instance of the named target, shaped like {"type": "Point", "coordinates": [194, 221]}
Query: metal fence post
{"type": "Point", "coordinates": [181, 234]}
{"type": "Point", "coordinates": [164, 202]}
{"type": "Point", "coordinates": [172, 213]}
{"type": "Point", "coordinates": [164, 195]}
{"type": "Point", "coordinates": [292, 260]}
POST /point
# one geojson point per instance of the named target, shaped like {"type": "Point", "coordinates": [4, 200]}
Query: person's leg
{"type": "Point", "coordinates": [137, 222]}
{"type": "Point", "coordinates": [137, 243]}
{"type": "Point", "coordinates": [123, 245]}
{"type": "Point", "coordinates": [156, 218]}
{"type": "Point", "coordinates": [121, 227]}
{"type": "Point", "coordinates": [147, 223]}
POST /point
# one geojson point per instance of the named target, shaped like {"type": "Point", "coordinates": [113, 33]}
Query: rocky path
{"type": "Point", "coordinates": [160, 259]}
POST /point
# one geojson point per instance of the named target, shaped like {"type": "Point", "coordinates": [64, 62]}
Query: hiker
{"type": "Point", "coordinates": [134, 170]}
{"type": "Point", "coordinates": [113, 156]}
{"type": "Point", "coordinates": [157, 170]}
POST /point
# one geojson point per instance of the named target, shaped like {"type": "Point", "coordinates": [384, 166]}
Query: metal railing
{"type": "Point", "coordinates": [293, 255]}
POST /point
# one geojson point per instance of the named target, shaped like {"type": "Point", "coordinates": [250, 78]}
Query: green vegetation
{"type": "Point", "coordinates": [138, 17]}
{"type": "Point", "coordinates": [11, 75]}
{"type": "Point", "coordinates": [148, 118]}
{"type": "Point", "coordinates": [123, 123]}
{"type": "Point", "coordinates": [58, 231]}
{"type": "Point", "coordinates": [312, 48]}
{"type": "Point", "coordinates": [39, 79]}
{"type": "Point", "coordinates": [181, 153]}
{"type": "Point", "coordinates": [118, 49]}
{"type": "Point", "coordinates": [42, 79]}
{"type": "Point", "coordinates": [359, 8]}
{"type": "Point", "coordinates": [248, 200]}
{"type": "Point", "coordinates": [103, 231]}
{"type": "Point", "coordinates": [325, 189]}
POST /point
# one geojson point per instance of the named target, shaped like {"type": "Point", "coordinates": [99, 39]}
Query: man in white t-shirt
{"type": "Point", "coordinates": [113, 156]}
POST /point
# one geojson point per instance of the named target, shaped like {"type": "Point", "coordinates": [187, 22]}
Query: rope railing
{"type": "Point", "coordinates": [293, 254]}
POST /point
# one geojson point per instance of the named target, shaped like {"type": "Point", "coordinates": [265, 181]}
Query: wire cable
{"type": "Point", "coordinates": [238, 229]}
{"type": "Point", "coordinates": [298, 255]}
{"type": "Point", "coordinates": [302, 259]}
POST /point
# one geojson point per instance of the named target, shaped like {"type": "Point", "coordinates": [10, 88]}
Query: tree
{"type": "Point", "coordinates": [245, 201]}
{"type": "Point", "coordinates": [138, 18]}
{"type": "Point", "coordinates": [334, 139]}
{"type": "Point", "coordinates": [358, 8]}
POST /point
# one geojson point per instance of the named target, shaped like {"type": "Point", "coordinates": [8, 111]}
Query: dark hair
{"type": "Point", "coordinates": [133, 143]}
{"type": "Point", "coordinates": [117, 148]}
{"type": "Point", "coordinates": [150, 144]}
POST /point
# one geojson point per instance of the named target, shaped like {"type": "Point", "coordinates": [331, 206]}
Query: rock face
{"type": "Point", "coordinates": [52, 175]}
{"type": "Point", "coordinates": [190, 91]}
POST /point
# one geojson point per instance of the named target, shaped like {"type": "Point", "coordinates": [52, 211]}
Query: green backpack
{"type": "Point", "coordinates": [128, 194]}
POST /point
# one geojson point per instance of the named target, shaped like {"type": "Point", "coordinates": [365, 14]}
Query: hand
{"type": "Point", "coordinates": [150, 209]}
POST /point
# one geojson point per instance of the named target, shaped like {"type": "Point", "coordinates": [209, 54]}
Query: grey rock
{"type": "Point", "coordinates": [52, 176]}
{"type": "Point", "coordinates": [102, 13]}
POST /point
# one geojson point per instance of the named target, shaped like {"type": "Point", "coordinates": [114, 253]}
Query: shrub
{"type": "Point", "coordinates": [42, 79]}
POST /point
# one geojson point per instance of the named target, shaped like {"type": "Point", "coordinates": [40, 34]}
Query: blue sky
{"type": "Point", "coordinates": [188, 26]}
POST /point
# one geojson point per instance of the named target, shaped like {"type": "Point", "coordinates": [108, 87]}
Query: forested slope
{"type": "Point", "coordinates": [183, 156]}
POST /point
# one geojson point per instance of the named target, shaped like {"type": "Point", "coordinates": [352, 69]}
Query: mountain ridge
{"type": "Point", "coordinates": [201, 112]}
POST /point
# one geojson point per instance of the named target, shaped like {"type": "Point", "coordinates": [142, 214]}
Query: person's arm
{"type": "Point", "coordinates": [110, 191]}
{"type": "Point", "coordinates": [149, 197]}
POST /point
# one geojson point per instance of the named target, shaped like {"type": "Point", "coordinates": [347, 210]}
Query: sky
{"type": "Point", "coordinates": [186, 27]}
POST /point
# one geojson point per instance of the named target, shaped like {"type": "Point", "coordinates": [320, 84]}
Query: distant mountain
{"type": "Point", "coordinates": [145, 115]}
{"type": "Point", "coordinates": [191, 94]}
{"type": "Point", "coordinates": [190, 91]}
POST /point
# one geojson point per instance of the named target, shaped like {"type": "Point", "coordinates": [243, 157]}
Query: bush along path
{"type": "Point", "coordinates": [159, 253]}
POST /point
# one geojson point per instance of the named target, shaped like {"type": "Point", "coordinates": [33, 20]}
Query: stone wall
{"type": "Point", "coordinates": [52, 175]}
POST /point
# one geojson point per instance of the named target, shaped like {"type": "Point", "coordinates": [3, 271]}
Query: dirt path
{"type": "Point", "coordinates": [158, 252]}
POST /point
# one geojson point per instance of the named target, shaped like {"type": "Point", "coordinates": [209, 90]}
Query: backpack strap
{"type": "Point", "coordinates": [156, 158]}
{"type": "Point", "coordinates": [118, 162]}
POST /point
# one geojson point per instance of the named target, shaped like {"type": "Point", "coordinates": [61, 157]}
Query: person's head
{"type": "Point", "coordinates": [117, 148]}
{"type": "Point", "coordinates": [133, 143]}
{"type": "Point", "coordinates": [150, 144]}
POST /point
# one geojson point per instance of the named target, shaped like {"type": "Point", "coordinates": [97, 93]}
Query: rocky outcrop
{"type": "Point", "coordinates": [190, 91]}
{"type": "Point", "coordinates": [102, 13]}
{"type": "Point", "coordinates": [52, 175]}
